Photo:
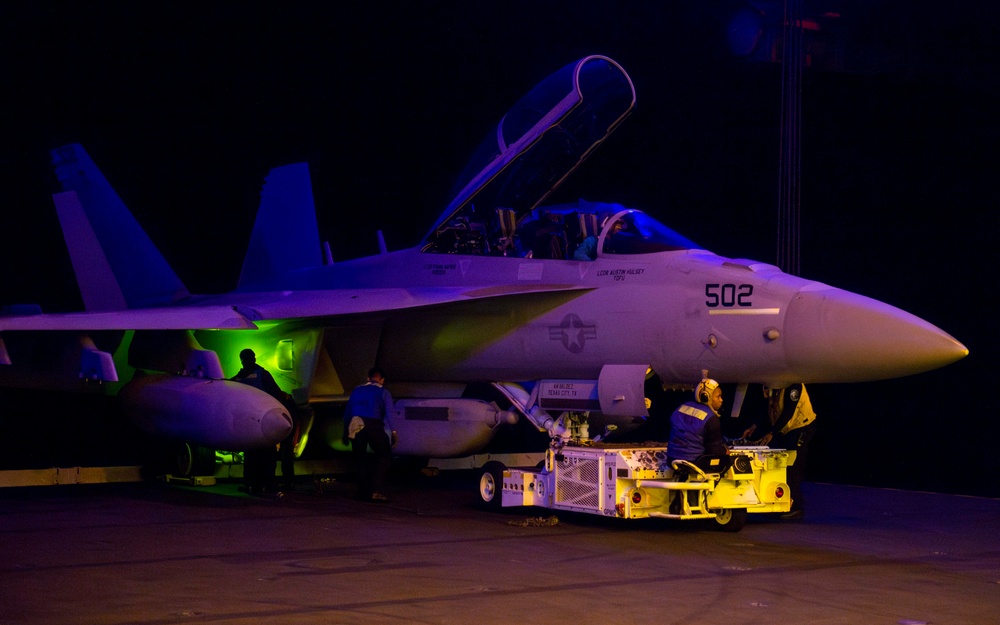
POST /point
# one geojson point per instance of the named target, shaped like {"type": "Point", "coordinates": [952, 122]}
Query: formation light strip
{"type": "Point", "coordinates": [745, 311]}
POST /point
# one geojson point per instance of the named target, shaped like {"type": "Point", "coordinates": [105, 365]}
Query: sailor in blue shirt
{"type": "Point", "coordinates": [367, 415]}
{"type": "Point", "coordinates": [695, 428]}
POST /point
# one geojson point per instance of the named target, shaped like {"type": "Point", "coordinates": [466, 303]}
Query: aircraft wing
{"type": "Point", "coordinates": [174, 318]}
{"type": "Point", "coordinates": [244, 312]}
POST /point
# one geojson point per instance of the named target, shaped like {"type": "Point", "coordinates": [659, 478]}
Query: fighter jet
{"type": "Point", "coordinates": [508, 310]}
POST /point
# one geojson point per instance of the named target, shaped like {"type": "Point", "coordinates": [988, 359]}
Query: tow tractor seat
{"type": "Point", "coordinates": [705, 468]}
{"type": "Point", "coordinates": [709, 464]}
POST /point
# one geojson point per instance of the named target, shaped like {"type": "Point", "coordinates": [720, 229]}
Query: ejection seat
{"type": "Point", "coordinates": [506, 244]}
{"type": "Point", "coordinates": [588, 225]}
{"type": "Point", "coordinates": [579, 227]}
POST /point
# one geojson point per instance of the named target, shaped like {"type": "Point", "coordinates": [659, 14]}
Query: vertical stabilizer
{"type": "Point", "coordinates": [285, 235]}
{"type": "Point", "coordinates": [98, 286]}
{"type": "Point", "coordinates": [143, 276]}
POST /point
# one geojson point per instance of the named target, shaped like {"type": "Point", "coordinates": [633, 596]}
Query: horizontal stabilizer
{"type": "Point", "coordinates": [285, 235]}
{"type": "Point", "coordinates": [143, 276]}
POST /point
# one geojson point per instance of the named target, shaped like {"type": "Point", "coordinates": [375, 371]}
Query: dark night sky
{"type": "Point", "coordinates": [186, 105]}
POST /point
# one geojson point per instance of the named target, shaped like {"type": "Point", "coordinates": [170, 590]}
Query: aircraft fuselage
{"type": "Point", "coordinates": [678, 311]}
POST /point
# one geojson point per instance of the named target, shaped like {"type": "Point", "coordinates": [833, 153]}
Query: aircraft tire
{"type": "Point", "coordinates": [730, 519]}
{"type": "Point", "coordinates": [491, 484]}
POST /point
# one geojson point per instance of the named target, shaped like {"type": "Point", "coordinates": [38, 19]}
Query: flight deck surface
{"type": "Point", "coordinates": [144, 554]}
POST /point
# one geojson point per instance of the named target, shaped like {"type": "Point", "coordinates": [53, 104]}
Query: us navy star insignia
{"type": "Point", "coordinates": [573, 333]}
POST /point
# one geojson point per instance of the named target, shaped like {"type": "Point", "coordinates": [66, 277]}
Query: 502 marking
{"type": "Point", "coordinates": [728, 295]}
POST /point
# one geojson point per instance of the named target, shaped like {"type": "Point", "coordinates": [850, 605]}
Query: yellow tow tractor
{"type": "Point", "coordinates": [635, 481]}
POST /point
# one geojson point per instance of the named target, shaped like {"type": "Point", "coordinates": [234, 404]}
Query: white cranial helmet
{"type": "Point", "coordinates": [703, 392]}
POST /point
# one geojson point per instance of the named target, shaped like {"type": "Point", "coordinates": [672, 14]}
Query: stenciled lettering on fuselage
{"type": "Point", "coordinates": [440, 269]}
{"type": "Point", "coordinates": [573, 333]}
{"type": "Point", "coordinates": [619, 275]}
{"type": "Point", "coordinates": [728, 295]}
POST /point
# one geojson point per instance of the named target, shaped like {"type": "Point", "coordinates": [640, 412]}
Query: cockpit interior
{"type": "Point", "coordinates": [580, 231]}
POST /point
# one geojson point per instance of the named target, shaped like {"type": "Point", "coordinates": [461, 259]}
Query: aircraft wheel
{"type": "Point", "coordinates": [491, 484]}
{"type": "Point", "coordinates": [195, 460]}
{"type": "Point", "coordinates": [730, 519]}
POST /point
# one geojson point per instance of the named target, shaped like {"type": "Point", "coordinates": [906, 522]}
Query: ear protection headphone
{"type": "Point", "coordinates": [705, 389]}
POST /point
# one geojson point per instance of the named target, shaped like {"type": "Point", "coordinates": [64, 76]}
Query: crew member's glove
{"type": "Point", "coordinates": [393, 439]}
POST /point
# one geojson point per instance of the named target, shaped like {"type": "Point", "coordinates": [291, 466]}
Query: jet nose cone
{"type": "Point", "coordinates": [275, 424]}
{"type": "Point", "coordinates": [838, 336]}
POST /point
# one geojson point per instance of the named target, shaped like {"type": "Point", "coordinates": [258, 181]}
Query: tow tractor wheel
{"type": "Point", "coordinates": [730, 519]}
{"type": "Point", "coordinates": [491, 484]}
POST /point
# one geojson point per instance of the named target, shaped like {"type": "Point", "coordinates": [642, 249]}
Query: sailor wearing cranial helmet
{"type": "Point", "coordinates": [695, 429]}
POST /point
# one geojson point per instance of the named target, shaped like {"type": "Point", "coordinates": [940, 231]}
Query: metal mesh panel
{"type": "Point", "coordinates": [578, 484]}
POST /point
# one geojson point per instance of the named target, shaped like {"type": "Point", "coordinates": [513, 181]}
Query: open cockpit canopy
{"type": "Point", "coordinates": [537, 144]}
